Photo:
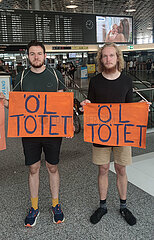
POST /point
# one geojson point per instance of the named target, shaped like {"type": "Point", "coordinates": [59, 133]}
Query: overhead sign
{"type": "Point", "coordinates": [130, 47]}
{"type": "Point", "coordinates": [2, 126]}
{"type": "Point", "coordinates": [121, 124]}
{"type": "Point", "coordinates": [79, 47]}
{"type": "Point", "coordinates": [40, 114]}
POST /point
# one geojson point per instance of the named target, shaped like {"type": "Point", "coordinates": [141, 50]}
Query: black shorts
{"type": "Point", "coordinates": [33, 148]}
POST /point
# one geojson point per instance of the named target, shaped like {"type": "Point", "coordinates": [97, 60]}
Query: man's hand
{"type": "Point", "coordinates": [5, 101]}
{"type": "Point", "coordinates": [149, 103]}
{"type": "Point", "coordinates": [83, 103]}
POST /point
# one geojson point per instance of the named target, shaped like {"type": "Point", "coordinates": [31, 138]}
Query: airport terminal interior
{"type": "Point", "coordinates": [74, 42]}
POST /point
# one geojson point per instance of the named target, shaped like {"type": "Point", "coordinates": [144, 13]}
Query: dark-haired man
{"type": "Point", "coordinates": [39, 78]}
{"type": "Point", "coordinates": [111, 85]}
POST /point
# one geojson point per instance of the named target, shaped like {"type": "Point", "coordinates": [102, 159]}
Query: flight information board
{"type": "Point", "coordinates": [22, 26]}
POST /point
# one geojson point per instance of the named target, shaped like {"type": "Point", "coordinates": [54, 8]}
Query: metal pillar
{"type": "Point", "coordinates": [51, 3]}
{"type": "Point", "coordinates": [36, 4]}
{"type": "Point", "coordinates": [28, 4]}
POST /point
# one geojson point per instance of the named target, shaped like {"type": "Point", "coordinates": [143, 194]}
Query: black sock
{"type": "Point", "coordinates": [123, 204]}
{"type": "Point", "coordinates": [103, 204]}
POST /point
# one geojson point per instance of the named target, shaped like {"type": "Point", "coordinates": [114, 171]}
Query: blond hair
{"type": "Point", "coordinates": [120, 62]}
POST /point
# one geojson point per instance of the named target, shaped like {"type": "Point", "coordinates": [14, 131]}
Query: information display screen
{"type": "Point", "coordinates": [72, 55]}
{"type": "Point", "coordinates": [22, 26]}
{"type": "Point", "coordinates": [114, 29]}
{"type": "Point", "coordinates": [16, 26]}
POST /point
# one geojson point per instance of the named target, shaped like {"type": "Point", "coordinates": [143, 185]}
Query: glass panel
{"type": "Point", "coordinates": [147, 94]}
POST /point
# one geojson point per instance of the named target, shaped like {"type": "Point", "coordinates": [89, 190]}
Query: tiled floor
{"type": "Point", "coordinates": [78, 196]}
{"type": "Point", "coordinates": [141, 172]}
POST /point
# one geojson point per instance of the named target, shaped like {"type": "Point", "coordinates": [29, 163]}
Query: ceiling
{"type": "Point", "coordinates": [143, 17]}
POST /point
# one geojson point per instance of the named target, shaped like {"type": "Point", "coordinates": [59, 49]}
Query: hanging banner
{"type": "Point", "coordinates": [117, 124]}
{"type": "Point", "coordinates": [40, 114]}
{"type": "Point", "coordinates": [2, 126]}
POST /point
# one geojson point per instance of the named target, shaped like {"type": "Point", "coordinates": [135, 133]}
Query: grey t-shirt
{"type": "Point", "coordinates": [39, 82]}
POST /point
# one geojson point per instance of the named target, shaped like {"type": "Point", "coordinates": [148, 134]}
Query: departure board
{"type": "Point", "coordinates": [22, 26]}
{"type": "Point", "coordinates": [16, 27]}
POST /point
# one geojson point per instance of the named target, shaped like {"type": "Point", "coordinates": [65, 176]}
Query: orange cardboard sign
{"type": "Point", "coordinates": [40, 114]}
{"type": "Point", "coordinates": [2, 126]}
{"type": "Point", "coordinates": [116, 124]}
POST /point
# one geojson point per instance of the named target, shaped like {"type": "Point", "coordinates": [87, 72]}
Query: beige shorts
{"type": "Point", "coordinates": [102, 155]}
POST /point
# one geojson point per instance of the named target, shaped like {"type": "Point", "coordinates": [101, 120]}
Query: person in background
{"type": "Point", "coordinates": [130, 65]}
{"type": "Point", "coordinates": [111, 85]}
{"type": "Point", "coordinates": [135, 65]}
{"type": "Point", "coordinates": [152, 69]}
{"type": "Point", "coordinates": [149, 66]}
{"type": "Point", "coordinates": [39, 78]}
{"type": "Point", "coordinates": [20, 68]}
{"type": "Point", "coordinates": [58, 66]}
{"type": "Point", "coordinates": [2, 70]}
{"type": "Point", "coordinates": [1, 65]}
{"type": "Point", "coordinates": [72, 70]}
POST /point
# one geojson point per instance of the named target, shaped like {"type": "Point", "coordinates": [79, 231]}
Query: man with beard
{"type": "Point", "coordinates": [111, 85]}
{"type": "Point", "coordinates": [39, 78]}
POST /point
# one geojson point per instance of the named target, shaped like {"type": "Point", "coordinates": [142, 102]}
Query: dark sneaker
{"type": "Point", "coordinates": [128, 216]}
{"type": "Point", "coordinates": [97, 215]}
{"type": "Point", "coordinates": [58, 216]}
{"type": "Point", "coordinates": [30, 220]}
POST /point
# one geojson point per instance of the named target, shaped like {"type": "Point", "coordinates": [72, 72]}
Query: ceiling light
{"type": "Point", "coordinates": [131, 10]}
{"type": "Point", "coordinates": [72, 6]}
{"type": "Point", "coordinates": [149, 28]}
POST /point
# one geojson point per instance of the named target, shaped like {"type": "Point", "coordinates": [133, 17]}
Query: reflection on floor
{"type": "Point", "coordinates": [141, 172]}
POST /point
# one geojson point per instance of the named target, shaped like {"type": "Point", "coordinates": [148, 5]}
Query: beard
{"type": "Point", "coordinates": [110, 70]}
{"type": "Point", "coordinates": [36, 65]}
